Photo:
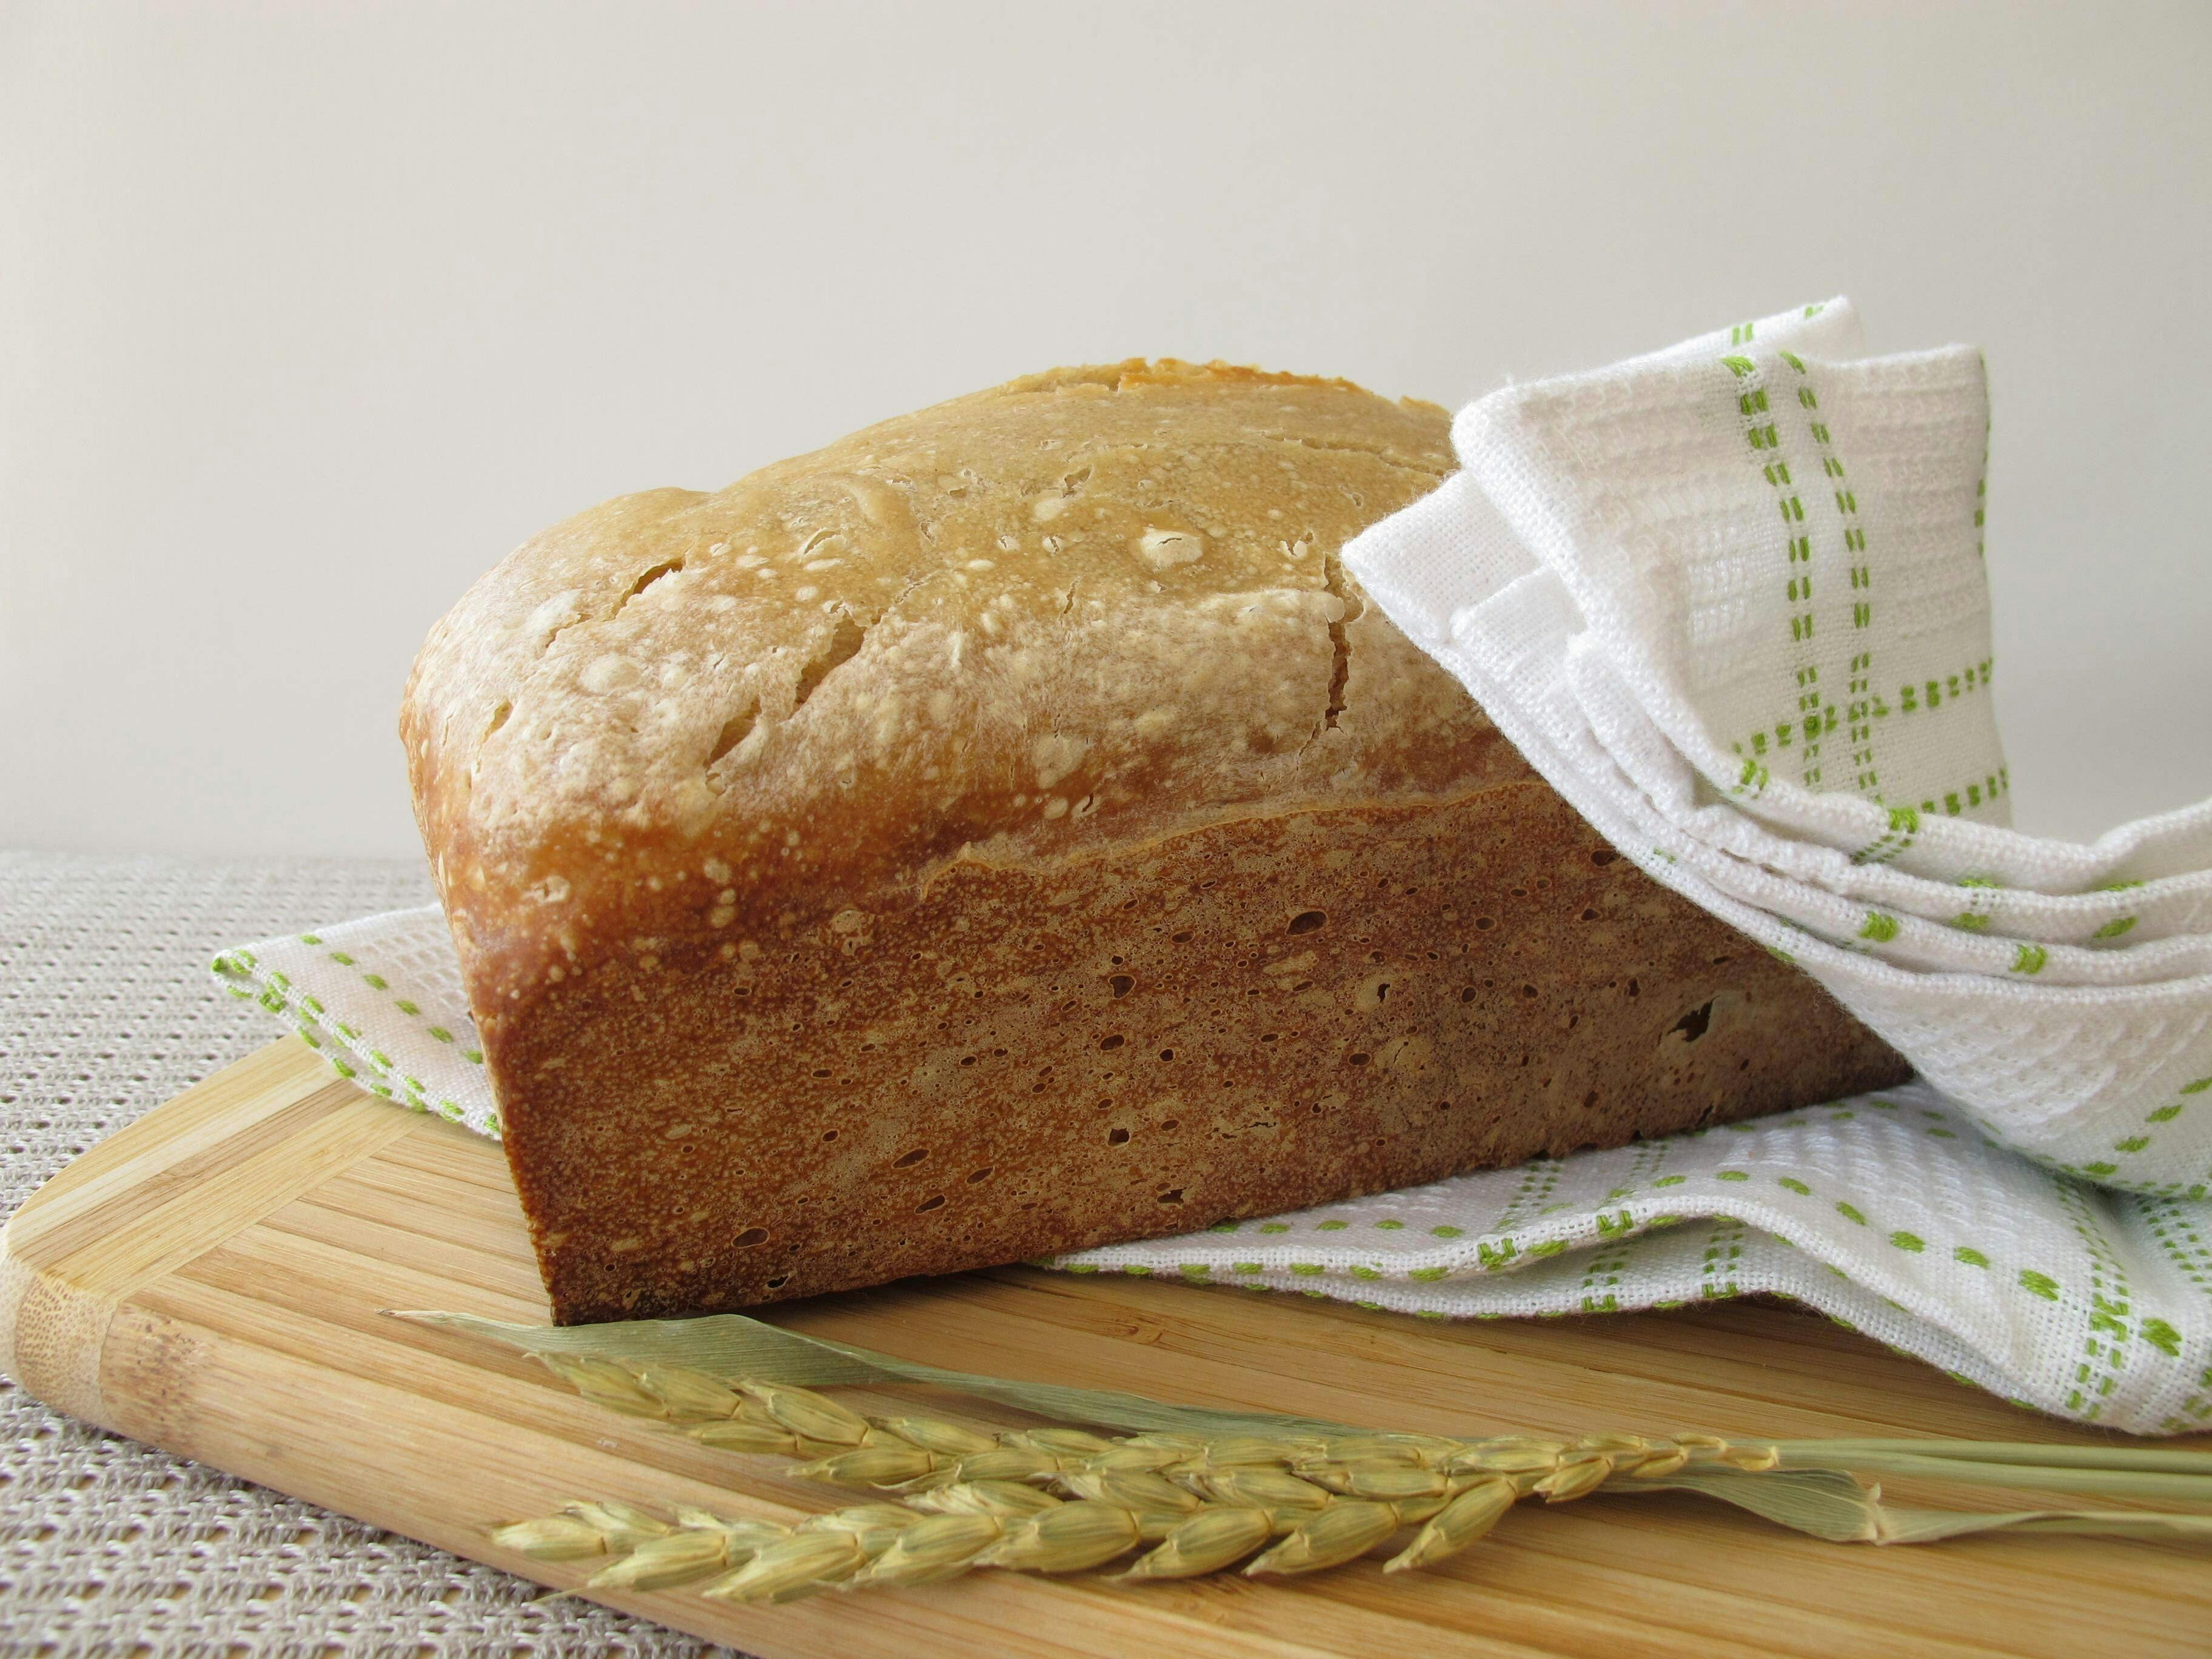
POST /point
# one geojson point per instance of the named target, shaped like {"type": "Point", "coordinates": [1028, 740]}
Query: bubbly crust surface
{"type": "Point", "coordinates": [1089, 607]}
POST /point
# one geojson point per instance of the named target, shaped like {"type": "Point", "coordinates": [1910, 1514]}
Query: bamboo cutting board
{"type": "Point", "coordinates": [213, 1280]}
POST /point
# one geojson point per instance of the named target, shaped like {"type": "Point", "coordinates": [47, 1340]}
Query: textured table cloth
{"type": "Point", "coordinates": [107, 1546]}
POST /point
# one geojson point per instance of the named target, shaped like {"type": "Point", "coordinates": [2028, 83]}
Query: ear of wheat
{"type": "Point", "coordinates": [1057, 1500]}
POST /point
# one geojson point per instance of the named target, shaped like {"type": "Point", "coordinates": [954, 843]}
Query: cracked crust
{"type": "Point", "coordinates": [811, 767]}
{"type": "Point", "coordinates": [1088, 606]}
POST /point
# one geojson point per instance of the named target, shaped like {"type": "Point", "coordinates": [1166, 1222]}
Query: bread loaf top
{"type": "Point", "coordinates": [1081, 611]}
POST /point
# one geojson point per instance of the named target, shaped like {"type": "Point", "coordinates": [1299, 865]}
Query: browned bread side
{"type": "Point", "coordinates": [1009, 830]}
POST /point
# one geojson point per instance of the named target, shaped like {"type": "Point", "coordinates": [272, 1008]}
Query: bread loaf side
{"type": "Point", "coordinates": [1009, 830]}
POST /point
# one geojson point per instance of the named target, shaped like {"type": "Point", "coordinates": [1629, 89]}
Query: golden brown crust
{"type": "Point", "coordinates": [858, 749]}
{"type": "Point", "coordinates": [1258, 1016]}
{"type": "Point", "coordinates": [1084, 609]}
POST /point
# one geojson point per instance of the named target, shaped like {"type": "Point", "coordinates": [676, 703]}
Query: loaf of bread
{"type": "Point", "coordinates": [1008, 830]}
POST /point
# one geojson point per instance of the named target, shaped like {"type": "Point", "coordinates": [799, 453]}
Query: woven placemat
{"type": "Point", "coordinates": [107, 1546]}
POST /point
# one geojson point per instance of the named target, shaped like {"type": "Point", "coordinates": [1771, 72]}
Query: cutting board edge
{"type": "Point", "coordinates": [59, 1289]}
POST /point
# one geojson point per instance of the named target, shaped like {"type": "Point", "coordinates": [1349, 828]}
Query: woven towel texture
{"type": "Point", "coordinates": [1730, 600]}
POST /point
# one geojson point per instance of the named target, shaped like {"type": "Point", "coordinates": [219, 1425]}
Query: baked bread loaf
{"type": "Point", "coordinates": [1008, 830]}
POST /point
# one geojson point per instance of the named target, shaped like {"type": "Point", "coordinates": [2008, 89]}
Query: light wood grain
{"type": "Point", "coordinates": [214, 1280]}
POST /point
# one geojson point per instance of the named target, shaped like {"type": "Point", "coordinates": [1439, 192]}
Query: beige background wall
{"type": "Point", "coordinates": [309, 312]}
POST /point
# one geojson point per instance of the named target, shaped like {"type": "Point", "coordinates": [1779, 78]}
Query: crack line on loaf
{"type": "Point", "coordinates": [914, 579]}
{"type": "Point", "coordinates": [646, 577]}
{"type": "Point", "coordinates": [845, 643]}
{"type": "Point", "coordinates": [1383, 452]}
{"type": "Point", "coordinates": [545, 649]}
{"type": "Point", "coordinates": [1339, 641]}
{"type": "Point", "coordinates": [735, 731]}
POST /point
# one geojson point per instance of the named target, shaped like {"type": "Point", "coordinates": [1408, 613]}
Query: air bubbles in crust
{"type": "Point", "coordinates": [1695, 1024]}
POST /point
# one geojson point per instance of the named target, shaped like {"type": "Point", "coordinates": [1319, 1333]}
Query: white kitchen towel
{"type": "Point", "coordinates": [1890, 1213]}
{"type": "Point", "coordinates": [1729, 599]}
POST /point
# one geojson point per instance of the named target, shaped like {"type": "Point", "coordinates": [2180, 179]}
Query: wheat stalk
{"type": "Point", "coordinates": [1058, 1500]}
{"type": "Point", "coordinates": [1053, 1500]}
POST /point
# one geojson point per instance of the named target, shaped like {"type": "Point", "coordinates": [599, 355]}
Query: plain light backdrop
{"type": "Point", "coordinates": [308, 314]}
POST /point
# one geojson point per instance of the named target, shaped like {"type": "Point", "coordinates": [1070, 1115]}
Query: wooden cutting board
{"type": "Point", "coordinates": [213, 1280]}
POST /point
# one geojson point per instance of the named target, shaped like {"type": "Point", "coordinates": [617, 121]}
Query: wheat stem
{"type": "Point", "coordinates": [1066, 1500]}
